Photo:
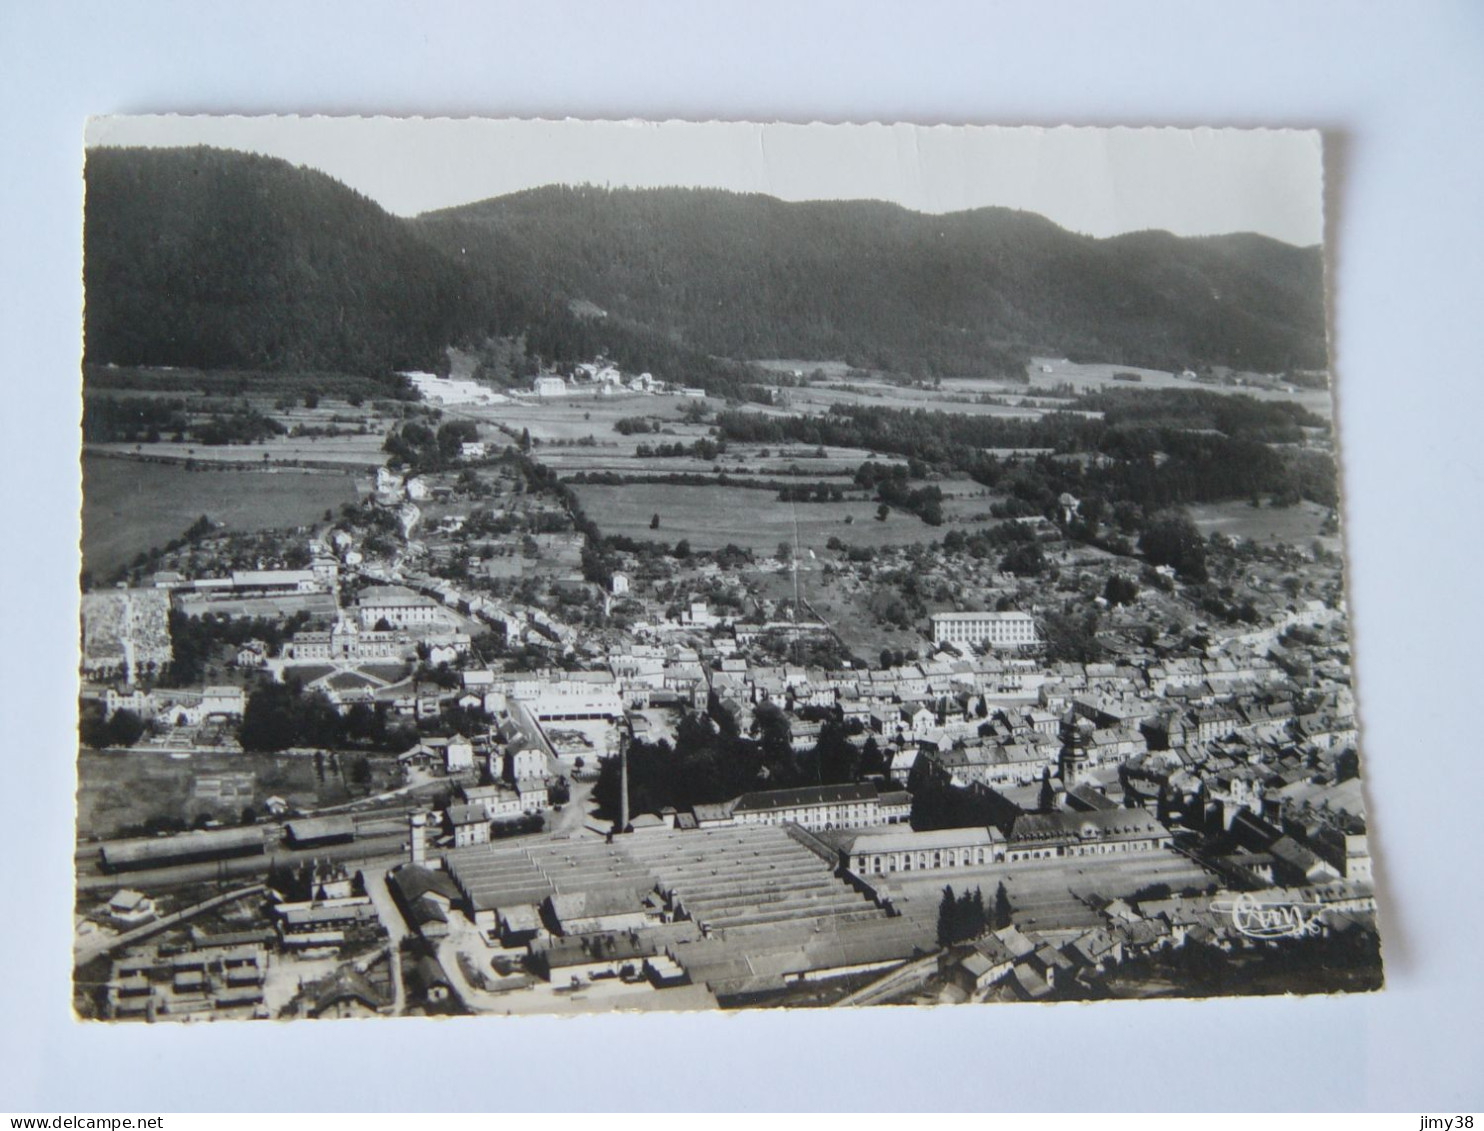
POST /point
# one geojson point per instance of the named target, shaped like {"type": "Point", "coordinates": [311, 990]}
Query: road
{"type": "Point", "coordinates": [396, 930]}
{"type": "Point", "coordinates": [575, 816]}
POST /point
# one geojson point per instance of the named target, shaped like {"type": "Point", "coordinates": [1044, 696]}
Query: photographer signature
{"type": "Point", "coordinates": [1257, 919]}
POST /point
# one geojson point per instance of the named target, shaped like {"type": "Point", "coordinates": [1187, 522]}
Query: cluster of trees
{"type": "Point", "coordinates": [965, 916]}
{"type": "Point", "coordinates": [1120, 590]}
{"type": "Point", "coordinates": [938, 804]}
{"type": "Point", "coordinates": [1172, 540]}
{"type": "Point", "coordinates": [296, 884]}
{"type": "Point", "coordinates": [1148, 463]}
{"type": "Point", "coordinates": [281, 715]}
{"type": "Point", "coordinates": [811, 493]}
{"type": "Point", "coordinates": [711, 761]}
{"type": "Point", "coordinates": [706, 764]}
{"type": "Point", "coordinates": [422, 448]}
{"type": "Point", "coordinates": [703, 449]}
{"type": "Point", "coordinates": [195, 641]}
{"type": "Point", "coordinates": [1239, 416]}
{"type": "Point", "coordinates": [108, 420]}
{"type": "Point", "coordinates": [148, 420]}
{"type": "Point", "coordinates": [630, 425]}
{"type": "Point", "coordinates": [122, 728]}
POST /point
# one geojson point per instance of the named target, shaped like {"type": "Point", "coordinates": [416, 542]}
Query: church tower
{"type": "Point", "coordinates": [1072, 763]}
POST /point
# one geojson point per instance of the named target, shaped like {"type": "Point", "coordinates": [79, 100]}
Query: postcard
{"type": "Point", "coordinates": [548, 567]}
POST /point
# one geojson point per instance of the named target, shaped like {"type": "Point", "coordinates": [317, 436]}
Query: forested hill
{"type": "Point", "coordinates": [217, 259]}
{"type": "Point", "coordinates": [210, 258]}
{"type": "Point", "coordinates": [750, 276]}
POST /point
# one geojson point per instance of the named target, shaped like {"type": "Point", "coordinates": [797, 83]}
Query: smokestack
{"type": "Point", "coordinates": [417, 837]}
{"type": "Point", "coordinates": [623, 784]}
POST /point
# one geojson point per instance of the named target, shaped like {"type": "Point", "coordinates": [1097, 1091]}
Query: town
{"type": "Point", "coordinates": [606, 693]}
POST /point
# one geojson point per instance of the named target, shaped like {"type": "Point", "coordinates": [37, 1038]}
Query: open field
{"type": "Point", "coordinates": [711, 517]}
{"type": "Point", "coordinates": [130, 505]}
{"type": "Point", "coordinates": [351, 452]}
{"type": "Point", "coordinates": [844, 608]}
{"type": "Point", "coordinates": [953, 393]}
{"type": "Point", "coordinates": [116, 790]}
{"type": "Point", "coordinates": [1297, 525]}
{"type": "Point", "coordinates": [1092, 378]}
{"type": "Point", "coordinates": [951, 397]}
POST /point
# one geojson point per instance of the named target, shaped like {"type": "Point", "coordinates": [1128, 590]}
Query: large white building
{"type": "Point", "coordinates": [398, 606]}
{"type": "Point", "coordinates": [998, 630]}
{"type": "Point", "coordinates": [813, 807]}
{"type": "Point", "coordinates": [903, 850]}
{"type": "Point", "coordinates": [344, 643]}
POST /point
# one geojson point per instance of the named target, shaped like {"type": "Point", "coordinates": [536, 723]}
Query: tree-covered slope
{"type": "Point", "coordinates": [207, 258]}
{"type": "Point", "coordinates": [216, 259]}
{"type": "Point", "coordinates": [750, 276]}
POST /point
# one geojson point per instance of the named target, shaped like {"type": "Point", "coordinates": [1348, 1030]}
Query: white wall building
{"type": "Point", "coordinates": [998, 630]}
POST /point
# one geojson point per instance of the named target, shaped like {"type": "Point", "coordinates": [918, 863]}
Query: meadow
{"type": "Point", "coordinates": [130, 506]}
{"type": "Point", "coordinates": [710, 517]}
{"type": "Point", "coordinates": [1298, 525]}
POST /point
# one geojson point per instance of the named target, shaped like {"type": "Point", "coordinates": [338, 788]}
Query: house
{"type": "Point", "coordinates": [454, 755]}
{"type": "Point", "coordinates": [348, 994]}
{"type": "Point", "coordinates": [469, 825]}
{"type": "Point", "coordinates": [533, 794]}
{"type": "Point", "coordinates": [523, 763]}
{"type": "Point", "coordinates": [431, 980]}
{"type": "Point", "coordinates": [989, 962]}
{"type": "Point", "coordinates": [424, 896]}
{"type": "Point", "coordinates": [130, 908]}
{"type": "Point", "coordinates": [499, 803]}
{"type": "Point", "coordinates": [223, 702]}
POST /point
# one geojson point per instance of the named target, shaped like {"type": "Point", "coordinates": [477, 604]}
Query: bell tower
{"type": "Point", "coordinates": [1072, 763]}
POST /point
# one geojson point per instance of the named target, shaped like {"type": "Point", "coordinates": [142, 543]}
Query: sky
{"type": "Point", "coordinates": [1096, 181]}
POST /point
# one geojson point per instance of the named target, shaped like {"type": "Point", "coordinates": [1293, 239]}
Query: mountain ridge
{"type": "Point", "coordinates": [218, 259]}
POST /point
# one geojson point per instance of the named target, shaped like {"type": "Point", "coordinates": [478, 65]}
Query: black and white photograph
{"type": "Point", "coordinates": [571, 567]}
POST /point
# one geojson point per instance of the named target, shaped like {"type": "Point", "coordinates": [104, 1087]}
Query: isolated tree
{"type": "Point", "coordinates": [881, 512]}
{"type": "Point", "coordinates": [1120, 590]}
{"type": "Point", "coordinates": [947, 918]}
{"type": "Point", "coordinates": [654, 521]}
{"type": "Point", "coordinates": [125, 728]}
{"type": "Point", "coordinates": [1001, 917]}
{"type": "Point", "coordinates": [311, 399]}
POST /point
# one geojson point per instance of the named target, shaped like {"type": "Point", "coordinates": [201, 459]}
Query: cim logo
{"type": "Point", "coordinates": [1259, 920]}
